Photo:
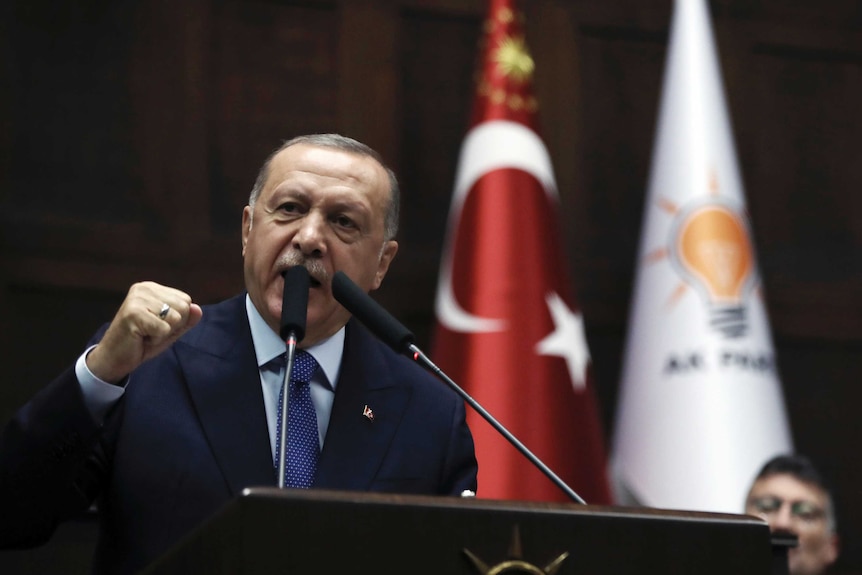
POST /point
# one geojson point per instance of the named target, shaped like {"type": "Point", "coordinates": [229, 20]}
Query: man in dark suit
{"type": "Point", "coordinates": [173, 410]}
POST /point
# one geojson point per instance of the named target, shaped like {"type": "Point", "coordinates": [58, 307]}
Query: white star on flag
{"type": "Point", "coordinates": [567, 340]}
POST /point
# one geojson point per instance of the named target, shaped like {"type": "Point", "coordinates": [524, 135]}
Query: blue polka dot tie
{"type": "Point", "coordinates": [303, 445]}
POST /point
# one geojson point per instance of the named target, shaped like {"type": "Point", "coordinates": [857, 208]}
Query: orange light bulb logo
{"type": "Point", "coordinates": [715, 253]}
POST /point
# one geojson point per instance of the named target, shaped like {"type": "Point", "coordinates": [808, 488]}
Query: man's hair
{"type": "Point", "coordinates": [345, 144]}
{"type": "Point", "coordinates": [802, 469]}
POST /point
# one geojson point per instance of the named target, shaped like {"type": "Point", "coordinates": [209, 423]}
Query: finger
{"type": "Point", "coordinates": [176, 314]}
{"type": "Point", "coordinates": [163, 334]}
{"type": "Point", "coordinates": [175, 298]}
{"type": "Point", "coordinates": [152, 328]}
{"type": "Point", "coordinates": [164, 311]}
{"type": "Point", "coordinates": [153, 313]}
{"type": "Point", "coordinates": [168, 304]}
{"type": "Point", "coordinates": [193, 317]}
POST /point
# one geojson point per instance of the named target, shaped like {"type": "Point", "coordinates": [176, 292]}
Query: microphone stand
{"type": "Point", "coordinates": [294, 306]}
{"type": "Point", "coordinates": [419, 357]}
{"type": "Point", "coordinates": [290, 343]}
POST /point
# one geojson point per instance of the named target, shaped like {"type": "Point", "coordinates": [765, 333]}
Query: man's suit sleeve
{"type": "Point", "coordinates": [461, 466]}
{"type": "Point", "coordinates": [50, 464]}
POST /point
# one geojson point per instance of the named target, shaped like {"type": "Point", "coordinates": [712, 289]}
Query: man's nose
{"type": "Point", "coordinates": [782, 520]}
{"type": "Point", "coordinates": [310, 237]}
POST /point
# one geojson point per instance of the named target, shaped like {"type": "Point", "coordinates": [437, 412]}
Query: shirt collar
{"type": "Point", "coordinates": [268, 345]}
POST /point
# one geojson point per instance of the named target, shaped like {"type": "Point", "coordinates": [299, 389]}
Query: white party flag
{"type": "Point", "coordinates": [700, 406]}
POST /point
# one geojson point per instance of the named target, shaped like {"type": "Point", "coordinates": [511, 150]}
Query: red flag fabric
{"type": "Point", "coordinates": [508, 329]}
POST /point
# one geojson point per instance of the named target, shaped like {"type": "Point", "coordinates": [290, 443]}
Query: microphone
{"type": "Point", "coordinates": [294, 308]}
{"type": "Point", "coordinates": [378, 320]}
{"type": "Point", "coordinates": [294, 302]}
{"type": "Point", "coordinates": [399, 338]}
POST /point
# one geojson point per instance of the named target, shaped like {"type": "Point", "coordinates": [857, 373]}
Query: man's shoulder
{"type": "Point", "coordinates": [398, 369]}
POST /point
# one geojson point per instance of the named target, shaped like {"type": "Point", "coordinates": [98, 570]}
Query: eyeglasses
{"type": "Point", "coordinates": [805, 511]}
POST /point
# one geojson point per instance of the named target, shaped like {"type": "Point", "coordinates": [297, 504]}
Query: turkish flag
{"type": "Point", "coordinates": [508, 328]}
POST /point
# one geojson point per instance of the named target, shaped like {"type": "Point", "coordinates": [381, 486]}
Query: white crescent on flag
{"type": "Point", "coordinates": [489, 146]}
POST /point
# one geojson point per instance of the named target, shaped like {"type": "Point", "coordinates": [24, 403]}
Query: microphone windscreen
{"type": "Point", "coordinates": [294, 302]}
{"type": "Point", "coordinates": [371, 313]}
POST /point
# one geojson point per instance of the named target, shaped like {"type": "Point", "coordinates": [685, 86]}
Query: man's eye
{"type": "Point", "coordinates": [344, 222]}
{"type": "Point", "coordinates": [289, 207]}
{"type": "Point", "coordinates": [807, 511]}
{"type": "Point", "coordinates": [767, 504]}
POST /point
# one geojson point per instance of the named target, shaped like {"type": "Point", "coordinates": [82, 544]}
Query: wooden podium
{"type": "Point", "coordinates": [268, 530]}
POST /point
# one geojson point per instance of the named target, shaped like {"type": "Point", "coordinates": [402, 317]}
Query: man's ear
{"type": "Point", "coordinates": [387, 254]}
{"type": "Point", "coordinates": [247, 217]}
{"type": "Point", "coordinates": [834, 548]}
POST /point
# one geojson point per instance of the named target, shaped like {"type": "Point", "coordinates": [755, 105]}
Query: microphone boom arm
{"type": "Point", "coordinates": [419, 357]}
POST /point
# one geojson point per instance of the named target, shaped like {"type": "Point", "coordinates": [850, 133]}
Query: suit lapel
{"type": "Point", "coordinates": [220, 369]}
{"type": "Point", "coordinates": [355, 445]}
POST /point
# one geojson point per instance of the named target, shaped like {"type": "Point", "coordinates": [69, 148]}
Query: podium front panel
{"type": "Point", "coordinates": [267, 530]}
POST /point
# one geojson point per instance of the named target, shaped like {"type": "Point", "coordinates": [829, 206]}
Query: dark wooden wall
{"type": "Point", "coordinates": [131, 133]}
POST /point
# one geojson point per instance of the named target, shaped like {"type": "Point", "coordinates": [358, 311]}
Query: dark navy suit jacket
{"type": "Point", "coordinates": [190, 433]}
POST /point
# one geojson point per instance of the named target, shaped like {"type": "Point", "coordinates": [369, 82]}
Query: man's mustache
{"type": "Point", "coordinates": [315, 266]}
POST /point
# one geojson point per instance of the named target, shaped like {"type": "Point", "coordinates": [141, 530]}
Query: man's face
{"type": "Point", "coordinates": [323, 208]}
{"type": "Point", "coordinates": [794, 506]}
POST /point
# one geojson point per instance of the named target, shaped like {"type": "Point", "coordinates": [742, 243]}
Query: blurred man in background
{"type": "Point", "coordinates": [791, 495]}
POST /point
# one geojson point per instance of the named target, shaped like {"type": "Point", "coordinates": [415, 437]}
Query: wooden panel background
{"type": "Point", "coordinates": [131, 133]}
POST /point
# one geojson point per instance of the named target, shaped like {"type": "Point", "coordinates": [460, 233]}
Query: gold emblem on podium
{"type": "Point", "coordinates": [515, 562]}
